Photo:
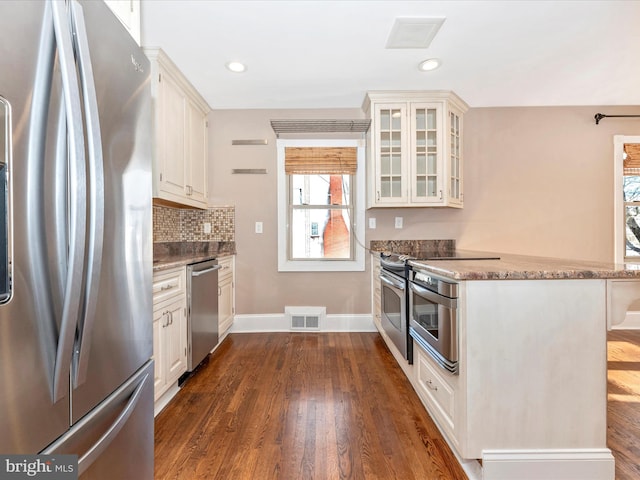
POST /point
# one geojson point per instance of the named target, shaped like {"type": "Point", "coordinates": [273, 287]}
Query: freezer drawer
{"type": "Point", "coordinates": [115, 440]}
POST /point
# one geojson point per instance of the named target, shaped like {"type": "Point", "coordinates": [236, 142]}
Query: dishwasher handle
{"type": "Point", "coordinates": [206, 270]}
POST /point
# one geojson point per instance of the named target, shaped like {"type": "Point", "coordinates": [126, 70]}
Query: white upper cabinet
{"type": "Point", "coordinates": [128, 12]}
{"type": "Point", "coordinates": [180, 173]}
{"type": "Point", "coordinates": [389, 135]}
{"type": "Point", "coordinates": [415, 149]}
{"type": "Point", "coordinates": [197, 150]}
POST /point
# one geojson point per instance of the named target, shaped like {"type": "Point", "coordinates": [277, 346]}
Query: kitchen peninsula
{"type": "Point", "coordinates": [530, 397]}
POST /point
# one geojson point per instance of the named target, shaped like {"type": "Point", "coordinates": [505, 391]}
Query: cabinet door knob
{"type": "Point", "coordinates": [431, 385]}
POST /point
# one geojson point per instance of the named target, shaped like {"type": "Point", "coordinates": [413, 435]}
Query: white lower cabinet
{"type": "Point", "coordinates": [226, 299]}
{"type": "Point", "coordinates": [169, 329]}
{"type": "Point", "coordinates": [437, 389]}
{"type": "Point", "coordinates": [375, 288]}
{"type": "Point", "coordinates": [530, 396]}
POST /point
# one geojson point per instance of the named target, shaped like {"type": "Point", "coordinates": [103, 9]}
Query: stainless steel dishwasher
{"type": "Point", "coordinates": [202, 310]}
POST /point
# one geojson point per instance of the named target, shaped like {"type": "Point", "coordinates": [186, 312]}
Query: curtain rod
{"type": "Point", "coordinates": [600, 116]}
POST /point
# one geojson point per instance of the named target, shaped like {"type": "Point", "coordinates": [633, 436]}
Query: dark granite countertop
{"type": "Point", "coordinates": [507, 267]}
{"type": "Point", "coordinates": [522, 267]}
{"type": "Point", "coordinates": [176, 254]}
{"type": "Point", "coordinates": [413, 247]}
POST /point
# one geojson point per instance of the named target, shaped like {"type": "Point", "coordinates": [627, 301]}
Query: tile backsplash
{"type": "Point", "coordinates": [187, 225]}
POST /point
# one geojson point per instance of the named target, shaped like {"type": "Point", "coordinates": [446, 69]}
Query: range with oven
{"type": "Point", "coordinates": [394, 300]}
{"type": "Point", "coordinates": [419, 305]}
{"type": "Point", "coordinates": [433, 309]}
{"type": "Point", "coordinates": [433, 316]}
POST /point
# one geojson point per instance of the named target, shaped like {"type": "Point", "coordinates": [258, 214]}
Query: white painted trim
{"type": "Point", "coordinates": [165, 398]}
{"type": "Point", "coordinates": [156, 54]}
{"type": "Point", "coordinates": [222, 337]}
{"type": "Point", "coordinates": [631, 322]}
{"type": "Point", "coordinates": [618, 199]}
{"type": "Point", "coordinates": [632, 319]}
{"type": "Point", "coordinates": [357, 264]}
{"type": "Point", "coordinates": [279, 322]}
{"type": "Point", "coordinates": [573, 464]}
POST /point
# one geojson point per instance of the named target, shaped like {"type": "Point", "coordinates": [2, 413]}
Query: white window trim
{"type": "Point", "coordinates": [355, 265]}
{"type": "Point", "coordinates": [618, 202]}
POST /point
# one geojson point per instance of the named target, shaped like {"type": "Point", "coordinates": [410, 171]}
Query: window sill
{"type": "Point", "coordinates": [322, 266]}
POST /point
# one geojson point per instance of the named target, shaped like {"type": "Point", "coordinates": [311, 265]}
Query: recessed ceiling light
{"type": "Point", "coordinates": [236, 67]}
{"type": "Point", "coordinates": [428, 65]}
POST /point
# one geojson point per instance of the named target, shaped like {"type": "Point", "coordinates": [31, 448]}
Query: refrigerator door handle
{"type": "Point", "coordinates": [77, 200]}
{"type": "Point", "coordinates": [96, 196]}
{"type": "Point", "coordinates": [107, 437]}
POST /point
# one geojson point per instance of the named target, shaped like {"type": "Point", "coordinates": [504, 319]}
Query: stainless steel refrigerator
{"type": "Point", "coordinates": [76, 375]}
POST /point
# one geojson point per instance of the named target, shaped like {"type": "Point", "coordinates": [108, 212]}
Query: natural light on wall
{"type": "Point", "coordinates": [320, 205]}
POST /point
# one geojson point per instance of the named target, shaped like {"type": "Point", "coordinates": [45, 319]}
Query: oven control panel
{"type": "Point", "coordinates": [435, 283]}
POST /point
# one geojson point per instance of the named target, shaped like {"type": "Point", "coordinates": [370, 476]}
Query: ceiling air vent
{"type": "Point", "coordinates": [414, 32]}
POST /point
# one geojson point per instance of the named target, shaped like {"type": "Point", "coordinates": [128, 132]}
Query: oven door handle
{"type": "Point", "coordinates": [432, 296]}
{"type": "Point", "coordinates": [391, 282]}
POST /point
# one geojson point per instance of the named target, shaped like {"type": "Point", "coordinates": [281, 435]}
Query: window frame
{"type": "Point", "coordinates": [357, 263]}
{"type": "Point", "coordinates": [620, 231]}
{"type": "Point", "coordinates": [293, 206]}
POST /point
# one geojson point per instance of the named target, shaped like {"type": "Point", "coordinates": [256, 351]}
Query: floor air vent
{"type": "Point", "coordinates": [305, 318]}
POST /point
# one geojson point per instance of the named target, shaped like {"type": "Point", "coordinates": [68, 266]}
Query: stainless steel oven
{"type": "Point", "coordinates": [433, 316]}
{"type": "Point", "coordinates": [393, 293]}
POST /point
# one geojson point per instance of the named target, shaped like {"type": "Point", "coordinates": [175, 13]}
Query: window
{"type": "Point", "coordinates": [320, 217]}
{"type": "Point", "coordinates": [627, 202]}
{"type": "Point", "coordinates": [320, 205]}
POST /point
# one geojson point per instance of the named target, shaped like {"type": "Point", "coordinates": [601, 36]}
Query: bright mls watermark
{"type": "Point", "coordinates": [50, 467]}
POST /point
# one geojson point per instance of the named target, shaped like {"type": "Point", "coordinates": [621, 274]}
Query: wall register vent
{"type": "Point", "coordinates": [305, 318]}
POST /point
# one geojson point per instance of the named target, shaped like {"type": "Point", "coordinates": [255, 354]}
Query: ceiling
{"type": "Point", "coordinates": [327, 54]}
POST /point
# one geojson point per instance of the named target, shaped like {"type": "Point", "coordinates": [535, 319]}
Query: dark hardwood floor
{"type": "Point", "coordinates": [623, 406]}
{"type": "Point", "coordinates": [300, 406]}
{"type": "Point", "coordinates": [329, 406]}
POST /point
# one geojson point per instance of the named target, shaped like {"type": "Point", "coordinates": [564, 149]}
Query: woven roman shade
{"type": "Point", "coordinates": [632, 161]}
{"type": "Point", "coordinates": [320, 160]}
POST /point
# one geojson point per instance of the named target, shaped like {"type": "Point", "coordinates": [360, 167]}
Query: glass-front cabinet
{"type": "Point", "coordinates": [425, 150]}
{"type": "Point", "coordinates": [415, 149]}
{"type": "Point", "coordinates": [391, 162]}
{"type": "Point", "coordinates": [454, 158]}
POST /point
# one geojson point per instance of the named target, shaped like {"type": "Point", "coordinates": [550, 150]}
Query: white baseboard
{"type": "Point", "coordinates": [278, 322]}
{"type": "Point", "coordinates": [165, 398]}
{"type": "Point", "coordinates": [578, 464]}
{"type": "Point", "coordinates": [631, 322]}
